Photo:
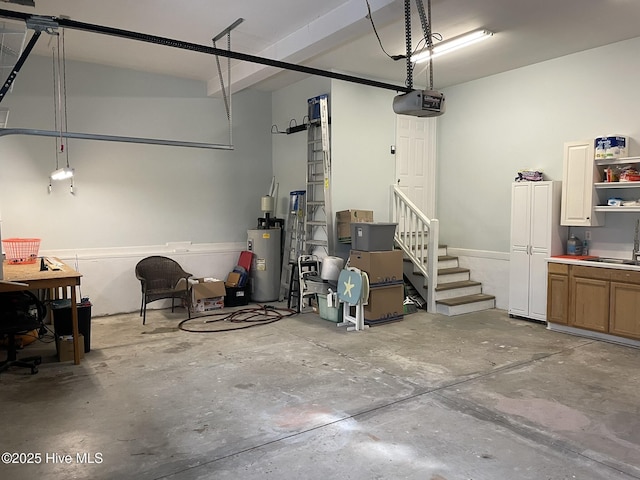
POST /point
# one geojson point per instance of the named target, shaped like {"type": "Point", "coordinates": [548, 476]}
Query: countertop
{"type": "Point", "coordinates": [581, 260]}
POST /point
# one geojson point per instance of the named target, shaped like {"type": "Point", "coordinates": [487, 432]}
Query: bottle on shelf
{"type": "Point", "coordinates": [574, 245]}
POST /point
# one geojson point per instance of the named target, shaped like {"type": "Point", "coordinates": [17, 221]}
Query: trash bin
{"type": "Point", "coordinates": [62, 320]}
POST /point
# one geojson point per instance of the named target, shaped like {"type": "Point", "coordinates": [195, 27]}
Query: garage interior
{"type": "Point", "coordinates": [173, 156]}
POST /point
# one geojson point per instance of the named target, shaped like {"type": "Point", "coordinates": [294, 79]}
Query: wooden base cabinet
{"type": "Point", "coordinates": [589, 293]}
{"type": "Point", "coordinates": [624, 317]}
{"type": "Point", "coordinates": [603, 300]}
{"type": "Point", "coordinates": [558, 294]}
{"type": "Point", "coordinates": [590, 304]}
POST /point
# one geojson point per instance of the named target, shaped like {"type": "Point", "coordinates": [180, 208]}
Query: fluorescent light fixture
{"type": "Point", "coordinates": [62, 174]}
{"type": "Point", "coordinates": [451, 45]}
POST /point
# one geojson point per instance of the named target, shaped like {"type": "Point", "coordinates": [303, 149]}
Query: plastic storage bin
{"type": "Point", "coordinates": [333, 314]}
{"type": "Point", "coordinates": [372, 237]}
{"type": "Point", "coordinates": [237, 296]}
{"type": "Point", "coordinates": [62, 320]}
{"type": "Point", "coordinates": [21, 250]}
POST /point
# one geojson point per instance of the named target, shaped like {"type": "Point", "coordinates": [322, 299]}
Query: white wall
{"type": "Point", "coordinates": [289, 152]}
{"type": "Point", "coordinates": [520, 119]}
{"type": "Point", "coordinates": [130, 195]}
{"type": "Point", "coordinates": [363, 168]}
{"type": "Point", "coordinates": [362, 132]}
{"type": "Point", "coordinates": [493, 127]}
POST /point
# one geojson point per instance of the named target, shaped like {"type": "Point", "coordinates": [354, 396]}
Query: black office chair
{"type": "Point", "coordinates": [159, 278]}
{"type": "Point", "coordinates": [20, 313]}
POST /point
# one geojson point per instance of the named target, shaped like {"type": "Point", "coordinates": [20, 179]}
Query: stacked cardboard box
{"type": "Point", "coordinates": [344, 219]}
{"type": "Point", "coordinates": [383, 268]}
{"type": "Point", "coordinates": [385, 304]}
{"type": "Point", "coordinates": [386, 295]}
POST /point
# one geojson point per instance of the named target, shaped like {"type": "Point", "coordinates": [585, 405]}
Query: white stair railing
{"type": "Point", "coordinates": [417, 236]}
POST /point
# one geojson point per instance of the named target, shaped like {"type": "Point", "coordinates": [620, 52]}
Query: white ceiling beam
{"type": "Point", "coordinates": [326, 32]}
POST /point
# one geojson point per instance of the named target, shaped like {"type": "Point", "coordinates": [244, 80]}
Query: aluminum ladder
{"type": "Point", "coordinates": [318, 220]}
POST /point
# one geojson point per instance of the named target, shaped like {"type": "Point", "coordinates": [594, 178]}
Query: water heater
{"type": "Point", "coordinates": [265, 266]}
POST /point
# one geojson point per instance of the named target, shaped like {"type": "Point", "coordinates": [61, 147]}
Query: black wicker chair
{"type": "Point", "coordinates": [20, 313]}
{"type": "Point", "coordinates": [160, 278]}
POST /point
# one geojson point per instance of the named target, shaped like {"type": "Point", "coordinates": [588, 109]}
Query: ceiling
{"type": "Point", "coordinates": [336, 35]}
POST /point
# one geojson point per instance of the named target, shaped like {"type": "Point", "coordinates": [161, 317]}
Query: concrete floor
{"type": "Point", "coordinates": [478, 396]}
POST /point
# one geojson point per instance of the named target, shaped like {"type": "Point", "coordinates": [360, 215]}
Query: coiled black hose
{"type": "Point", "coordinates": [248, 317]}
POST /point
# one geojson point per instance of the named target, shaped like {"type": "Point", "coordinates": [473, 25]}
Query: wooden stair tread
{"type": "Point", "coordinates": [450, 271]}
{"type": "Point", "coordinates": [452, 285]}
{"type": "Point", "coordinates": [478, 297]}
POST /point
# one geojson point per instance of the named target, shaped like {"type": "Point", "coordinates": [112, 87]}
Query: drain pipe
{"type": "Point", "coordinates": [113, 138]}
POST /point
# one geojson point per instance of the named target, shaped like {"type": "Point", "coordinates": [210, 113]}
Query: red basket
{"type": "Point", "coordinates": [21, 250]}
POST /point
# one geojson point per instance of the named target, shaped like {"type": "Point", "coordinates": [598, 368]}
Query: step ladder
{"type": "Point", "coordinates": [297, 287]}
{"type": "Point", "coordinates": [308, 266]}
{"type": "Point", "coordinates": [293, 248]}
{"type": "Point", "coordinates": [318, 220]}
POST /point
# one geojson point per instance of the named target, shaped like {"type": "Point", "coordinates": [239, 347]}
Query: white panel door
{"type": "Point", "coordinates": [520, 216]}
{"type": "Point", "coordinates": [541, 203]}
{"type": "Point", "coordinates": [541, 212]}
{"type": "Point", "coordinates": [577, 185]}
{"type": "Point", "coordinates": [415, 160]}
{"type": "Point", "coordinates": [538, 285]}
{"type": "Point", "coordinates": [519, 251]}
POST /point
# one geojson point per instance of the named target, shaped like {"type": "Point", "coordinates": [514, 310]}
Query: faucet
{"type": "Point", "coordinates": [636, 244]}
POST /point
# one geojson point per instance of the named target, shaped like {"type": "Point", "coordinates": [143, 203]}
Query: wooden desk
{"type": "Point", "coordinates": [65, 278]}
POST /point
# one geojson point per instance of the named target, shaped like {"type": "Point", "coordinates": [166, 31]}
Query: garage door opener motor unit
{"type": "Point", "coordinates": [420, 103]}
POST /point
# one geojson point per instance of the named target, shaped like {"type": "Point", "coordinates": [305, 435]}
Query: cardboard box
{"type": "Point", "coordinates": [383, 268]}
{"type": "Point", "coordinates": [64, 344]}
{"type": "Point", "coordinates": [207, 295]}
{"type": "Point", "coordinates": [385, 303]}
{"type": "Point", "coordinates": [344, 219]}
{"type": "Point", "coordinates": [233, 279]}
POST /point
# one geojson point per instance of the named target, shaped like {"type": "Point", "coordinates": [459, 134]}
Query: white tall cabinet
{"type": "Point", "coordinates": [536, 234]}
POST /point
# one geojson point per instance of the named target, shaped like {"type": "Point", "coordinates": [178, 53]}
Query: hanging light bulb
{"type": "Point", "coordinates": [62, 173]}
{"type": "Point", "coordinates": [60, 92]}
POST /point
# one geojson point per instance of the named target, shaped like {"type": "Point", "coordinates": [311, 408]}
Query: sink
{"type": "Point", "coordinates": [619, 261]}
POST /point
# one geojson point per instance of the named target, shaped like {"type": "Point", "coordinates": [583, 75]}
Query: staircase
{"type": "Point", "coordinates": [437, 276]}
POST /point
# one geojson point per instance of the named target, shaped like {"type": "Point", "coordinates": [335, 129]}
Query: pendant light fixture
{"type": "Point", "coordinates": [60, 113]}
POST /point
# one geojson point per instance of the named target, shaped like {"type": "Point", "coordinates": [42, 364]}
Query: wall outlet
{"type": "Point", "coordinates": [587, 235]}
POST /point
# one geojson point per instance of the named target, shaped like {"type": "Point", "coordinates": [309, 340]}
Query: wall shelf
{"type": "Point", "coordinates": [617, 161]}
{"type": "Point", "coordinates": [610, 185]}
{"type": "Point", "coordinates": [617, 209]}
